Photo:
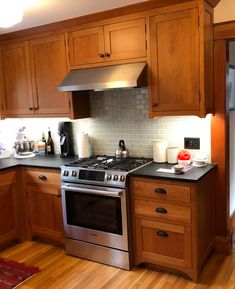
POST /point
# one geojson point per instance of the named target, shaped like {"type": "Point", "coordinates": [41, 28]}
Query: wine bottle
{"type": "Point", "coordinates": [50, 144]}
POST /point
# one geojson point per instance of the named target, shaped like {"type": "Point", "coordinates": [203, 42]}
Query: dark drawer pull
{"type": "Point", "coordinates": [162, 234]}
{"type": "Point", "coordinates": [161, 210]}
{"type": "Point", "coordinates": [43, 178]}
{"type": "Point", "coordinates": [160, 191]}
{"type": "Point", "coordinates": [107, 54]}
{"type": "Point", "coordinates": [101, 55]}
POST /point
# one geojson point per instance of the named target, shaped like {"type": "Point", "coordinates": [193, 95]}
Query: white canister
{"type": "Point", "coordinates": [172, 153]}
{"type": "Point", "coordinates": [159, 151]}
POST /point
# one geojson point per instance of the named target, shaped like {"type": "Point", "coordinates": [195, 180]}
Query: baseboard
{"type": "Point", "coordinates": [223, 244]}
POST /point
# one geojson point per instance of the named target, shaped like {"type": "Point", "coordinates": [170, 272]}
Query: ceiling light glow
{"type": "Point", "coordinates": [11, 13]}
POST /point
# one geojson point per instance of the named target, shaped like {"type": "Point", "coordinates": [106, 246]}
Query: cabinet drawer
{"type": "Point", "coordinates": [7, 179]}
{"type": "Point", "coordinates": [161, 191]}
{"type": "Point", "coordinates": [165, 243]}
{"type": "Point", "coordinates": [162, 211]}
{"type": "Point", "coordinates": [43, 177]}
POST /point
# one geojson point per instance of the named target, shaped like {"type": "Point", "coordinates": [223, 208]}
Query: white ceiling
{"type": "Point", "coordinates": [48, 11]}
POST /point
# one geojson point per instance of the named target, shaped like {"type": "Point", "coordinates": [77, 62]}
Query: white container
{"type": "Point", "coordinates": [83, 145]}
{"type": "Point", "coordinates": [159, 151]}
{"type": "Point", "coordinates": [171, 153]}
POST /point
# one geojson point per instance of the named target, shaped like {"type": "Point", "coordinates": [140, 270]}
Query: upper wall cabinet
{"type": "Point", "coordinates": [49, 66]}
{"type": "Point", "coordinates": [15, 77]}
{"type": "Point", "coordinates": [181, 70]}
{"type": "Point", "coordinates": [114, 42]}
{"type": "Point", "coordinates": [31, 72]}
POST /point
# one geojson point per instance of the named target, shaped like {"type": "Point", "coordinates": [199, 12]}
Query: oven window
{"type": "Point", "coordinates": [96, 212]}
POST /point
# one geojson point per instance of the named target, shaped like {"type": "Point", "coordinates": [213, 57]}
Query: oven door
{"type": "Point", "coordinates": [95, 214]}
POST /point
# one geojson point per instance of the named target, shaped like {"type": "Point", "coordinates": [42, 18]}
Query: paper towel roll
{"type": "Point", "coordinates": [83, 145]}
{"type": "Point", "coordinates": [159, 151]}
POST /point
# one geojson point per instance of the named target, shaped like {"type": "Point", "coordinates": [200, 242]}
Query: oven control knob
{"type": "Point", "coordinates": [122, 178]}
{"type": "Point", "coordinates": [115, 178]}
{"type": "Point", "coordinates": [66, 173]}
{"type": "Point", "coordinates": [74, 173]}
{"type": "Point", "coordinates": [108, 177]}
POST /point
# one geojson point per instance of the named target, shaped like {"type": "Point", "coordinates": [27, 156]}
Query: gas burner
{"type": "Point", "coordinates": [110, 163]}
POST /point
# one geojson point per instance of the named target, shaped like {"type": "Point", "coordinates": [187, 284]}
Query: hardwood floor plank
{"type": "Point", "coordinates": [61, 271]}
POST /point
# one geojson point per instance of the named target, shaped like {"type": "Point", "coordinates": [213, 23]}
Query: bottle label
{"type": "Point", "coordinates": [48, 148]}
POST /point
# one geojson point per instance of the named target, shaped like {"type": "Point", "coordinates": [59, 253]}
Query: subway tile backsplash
{"type": "Point", "coordinates": [118, 114]}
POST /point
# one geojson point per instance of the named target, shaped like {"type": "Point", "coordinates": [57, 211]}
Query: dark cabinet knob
{"type": "Point", "coordinates": [107, 54]}
{"type": "Point", "coordinates": [161, 210]}
{"type": "Point", "coordinates": [162, 234]}
{"type": "Point", "coordinates": [160, 191]}
{"type": "Point", "coordinates": [42, 177]}
{"type": "Point", "coordinates": [101, 55]}
{"type": "Point", "coordinates": [154, 104]}
{"type": "Point", "coordinates": [31, 108]}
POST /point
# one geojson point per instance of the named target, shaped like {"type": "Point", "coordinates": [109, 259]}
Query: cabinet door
{"type": "Point", "coordinates": [16, 80]}
{"type": "Point", "coordinates": [49, 67]}
{"type": "Point", "coordinates": [125, 40]}
{"type": "Point", "coordinates": [8, 227]}
{"type": "Point", "coordinates": [86, 46]}
{"type": "Point", "coordinates": [161, 243]}
{"type": "Point", "coordinates": [174, 63]}
{"type": "Point", "coordinates": [45, 212]}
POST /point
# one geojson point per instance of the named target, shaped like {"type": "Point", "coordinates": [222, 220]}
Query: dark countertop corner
{"type": "Point", "coordinates": [150, 171]}
{"type": "Point", "coordinates": [48, 161]}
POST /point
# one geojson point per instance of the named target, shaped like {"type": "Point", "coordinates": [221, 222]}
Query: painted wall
{"type": "Point", "coordinates": [117, 114]}
{"type": "Point", "coordinates": [224, 11]}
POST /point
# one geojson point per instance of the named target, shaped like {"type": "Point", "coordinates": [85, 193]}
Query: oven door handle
{"type": "Point", "coordinates": [93, 191]}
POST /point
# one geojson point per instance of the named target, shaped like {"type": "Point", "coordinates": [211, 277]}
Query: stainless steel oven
{"type": "Point", "coordinates": [95, 204]}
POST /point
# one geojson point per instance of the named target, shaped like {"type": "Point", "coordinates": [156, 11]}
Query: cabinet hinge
{"type": "Point", "coordinates": [145, 27]}
{"type": "Point", "coordinates": [146, 44]}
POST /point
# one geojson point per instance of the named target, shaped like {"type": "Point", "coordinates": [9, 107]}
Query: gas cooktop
{"type": "Point", "coordinates": [110, 163]}
{"type": "Point", "coordinates": [102, 170]}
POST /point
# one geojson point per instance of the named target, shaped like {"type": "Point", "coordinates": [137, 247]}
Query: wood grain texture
{"type": "Point", "coordinates": [16, 79]}
{"type": "Point", "coordinates": [61, 271]}
{"type": "Point", "coordinates": [174, 79]}
{"type": "Point", "coordinates": [49, 67]}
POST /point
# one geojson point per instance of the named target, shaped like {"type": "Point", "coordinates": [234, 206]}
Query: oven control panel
{"type": "Point", "coordinates": [88, 176]}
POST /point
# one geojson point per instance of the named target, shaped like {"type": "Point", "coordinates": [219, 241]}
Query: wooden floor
{"type": "Point", "coordinates": [59, 271]}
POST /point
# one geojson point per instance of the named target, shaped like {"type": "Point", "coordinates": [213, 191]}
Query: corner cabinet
{"type": "Point", "coordinates": [173, 222]}
{"type": "Point", "coordinates": [31, 71]}
{"type": "Point", "coordinates": [103, 44]}
{"type": "Point", "coordinates": [180, 62]}
{"type": "Point", "coordinates": [8, 207]}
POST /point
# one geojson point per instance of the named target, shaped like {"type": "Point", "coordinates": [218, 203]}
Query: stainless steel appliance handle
{"type": "Point", "coordinates": [92, 191]}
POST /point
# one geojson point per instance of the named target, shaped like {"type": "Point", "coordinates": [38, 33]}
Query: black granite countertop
{"type": "Point", "coordinates": [150, 171]}
{"type": "Point", "coordinates": [50, 162]}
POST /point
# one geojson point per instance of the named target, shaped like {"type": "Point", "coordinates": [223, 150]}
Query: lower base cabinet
{"type": "Point", "coordinates": [173, 223]}
{"type": "Point", "coordinates": [8, 207]}
{"type": "Point", "coordinates": [44, 203]}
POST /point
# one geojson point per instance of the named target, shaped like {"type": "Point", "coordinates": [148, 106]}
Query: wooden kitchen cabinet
{"type": "Point", "coordinates": [173, 222]}
{"type": "Point", "coordinates": [44, 203]}
{"type": "Point", "coordinates": [181, 62]}
{"type": "Point", "coordinates": [16, 88]}
{"type": "Point", "coordinates": [114, 42]}
{"type": "Point", "coordinates": [31, 71]}
{"type": "Point", "coordinates": [8, 207]}
{"type": "Point", "coordinates": [49, 67]}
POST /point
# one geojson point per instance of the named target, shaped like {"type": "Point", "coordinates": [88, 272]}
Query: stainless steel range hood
{"type": "Point", "coordinates": [101, 78]}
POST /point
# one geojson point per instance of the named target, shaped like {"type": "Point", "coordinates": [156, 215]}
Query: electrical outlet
{"type": "Point", "coordinates": [192, 143]}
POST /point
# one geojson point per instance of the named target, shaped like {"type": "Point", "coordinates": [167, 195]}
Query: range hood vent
{"type": "Point", "coordinates": [102, 78]}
